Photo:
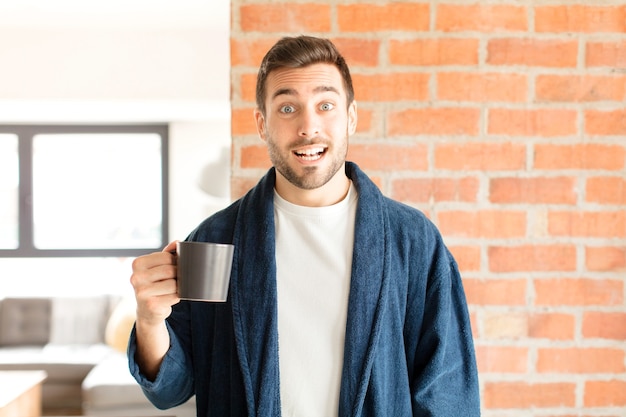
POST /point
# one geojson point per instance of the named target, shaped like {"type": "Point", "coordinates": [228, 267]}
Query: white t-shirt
{"type": "Point", "coordinates": [314, 260]}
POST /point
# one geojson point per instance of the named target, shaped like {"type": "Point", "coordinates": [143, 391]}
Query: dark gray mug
{"type": "Point", "coordinates": [203, 270]}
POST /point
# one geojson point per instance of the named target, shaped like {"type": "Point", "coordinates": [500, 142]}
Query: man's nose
{"type": "Point", "coordinates": [309, 124]}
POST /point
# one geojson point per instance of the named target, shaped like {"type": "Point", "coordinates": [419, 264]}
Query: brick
{"type": "Point", "coordinates": [539, 190]}
{"type": "Point", "coordinates": [580, 88]}
{"type": "Point", "coordinates": [481, 17]}
{"type": "Point", "coordinates": [532, 258]}
{"type": "Point", "coordinates": [389, 157]}
{"type": "Point", "coordinates": [580, 360]}
{"type": "Point", "coordinates": [474, 322]}
{"type": "Point", "coordinates": [255, 156]}
{"type": "Point", "coordinates": [467, 257]}
{"type": "Point", "coordinates": [605, 258]}
{"type": "Point", "coordinates": [610, 54]}
{"type": "Point", "coordinates": [248, 88]}
{"type": "Point", "coordinates": [553, 326]}
{"type": "Point", "coordinates": [518, 394]}
{"type": "Point", "coordinates": [513, 304]}
{"type": "Point", "coordinates": [606, 190]}
{"type": "Point", "coordinates": [605, 393]}
{"type": "Point", "coordinates": [490, 224]}
{"type": "Point", "coordinates": [483, 87]}
{"type": "Point", "coordinates": [501, 359]}
{"type": "Point", "coordinates": [580, 18]}
{"type": "Point", "coordinates": [434, 121]}
{"type": "Point", "coordinates": [603, 224]}
{"type": "Point", "coordinates": [425, 190]}
{"type": "Point", "coordinates": [240, 185]}
{"type": "Point", "coordinates": [483, 292]}
{"type": "Point", "coordinates": [541, 122]}
{"type": "Point", "coordinates": [605, 122]}
{"type": "Point", "coordinates": [532, 52]}
{"type": "Point", "coordinates": [378, 181]}
{"type": "Point", "coordinates": [367, 17]}
{"type": "Point", "coordinates": [359, 52]}
{"type": "Point", "coordinates": [434, 52]}
{"type": "Point", "coordinates": [603, 325]}
{"type": "Point", "coordinates": [578, 292]}
{"type": "Point", "coordinates": [509, 325]}
{"type": "Point", "coordinates": [480, 156]}
{"type": "Point", "coordinates": [242, 121]}
{"type": "Point", "coordinates": [579, 156]}
{"type": "Point", "coordinates": [391, 86]}
{"type": "Point", "coordinates": [285, 17]}
{"type": "Point", "coordinates": [365, 120]}
{"type": "Point", "coordinates": [249, 52]}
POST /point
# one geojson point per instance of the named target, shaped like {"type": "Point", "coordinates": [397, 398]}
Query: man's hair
{"type": "Point", "coordinates": [300, 52]}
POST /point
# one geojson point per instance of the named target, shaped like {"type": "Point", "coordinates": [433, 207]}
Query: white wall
{"type": "Point", "coordinates": [127, 62]}
{"type": "Point", "coordinates": [199, 173]}
{"type": "Point", "coordinates": [120, 61]}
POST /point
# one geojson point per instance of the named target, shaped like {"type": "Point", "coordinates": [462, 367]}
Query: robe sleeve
{"type": "Point", "coordinates": [444, 380]}
{"type": "Point", "coordinates": [174, 383]}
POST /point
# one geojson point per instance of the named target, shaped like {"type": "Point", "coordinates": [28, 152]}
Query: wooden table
{"type": "Point", "coordinates": [20, 393]}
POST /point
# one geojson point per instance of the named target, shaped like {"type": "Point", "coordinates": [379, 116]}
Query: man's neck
{"type": "Point", "coordinates": [330, 193]}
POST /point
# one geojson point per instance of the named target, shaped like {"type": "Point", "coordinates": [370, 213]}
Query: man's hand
{"type": "Point", "coordinates": [154, 282]}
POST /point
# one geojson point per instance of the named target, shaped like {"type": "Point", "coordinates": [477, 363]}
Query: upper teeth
{"type": "Point", "coordinates": [309, 152]}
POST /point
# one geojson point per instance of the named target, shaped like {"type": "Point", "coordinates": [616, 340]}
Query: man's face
{"type": "Point", "coordinates": [307, 124]}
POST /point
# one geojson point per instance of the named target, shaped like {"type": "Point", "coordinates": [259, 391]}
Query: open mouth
{"type": "Point", "coordinates": [310, 154]}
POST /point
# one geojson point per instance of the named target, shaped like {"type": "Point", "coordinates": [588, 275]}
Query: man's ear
{"type": "Point", "coordinates": [260, 124]}
{"type": "Point", "coordinates": [352, 118]}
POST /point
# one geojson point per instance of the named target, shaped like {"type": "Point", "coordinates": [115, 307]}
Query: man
{"type": "Point", "coordinates": [342, 302]}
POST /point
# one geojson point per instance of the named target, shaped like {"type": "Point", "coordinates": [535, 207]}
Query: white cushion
{"type": "Point", "coordinates": [110, 390]}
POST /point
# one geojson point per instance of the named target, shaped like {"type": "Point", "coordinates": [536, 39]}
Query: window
{"type": "Point", "coordinates": [83, 191]}
{"type": "Point", "coordinates": [9, 186]}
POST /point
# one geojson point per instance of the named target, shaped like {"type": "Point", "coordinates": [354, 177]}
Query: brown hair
{"type": "Point", "coordinates": [299, 52]}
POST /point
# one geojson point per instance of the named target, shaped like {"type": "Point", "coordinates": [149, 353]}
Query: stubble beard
{"type": "Point", "coordinates": [312, 177]}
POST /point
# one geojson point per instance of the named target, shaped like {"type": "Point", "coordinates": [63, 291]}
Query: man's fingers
{"type": "Point", "coordinates": [157, 288]}
{"type": "Point", "coordinates": [171, 247]}
{"type": "Point", "coordinates": [153, 260]}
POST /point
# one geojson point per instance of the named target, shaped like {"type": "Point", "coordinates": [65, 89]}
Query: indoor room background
{"type": "Point", "coordinates": [503, 120]}
{"type": "Point", "coordinates": [119, 63]}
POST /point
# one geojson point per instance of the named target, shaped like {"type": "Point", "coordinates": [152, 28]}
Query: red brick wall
{"type": "Point", "coordinates": [506, 123]}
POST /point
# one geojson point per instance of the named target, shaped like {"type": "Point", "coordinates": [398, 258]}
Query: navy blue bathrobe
{"type": "Point", "coordinates": [408, 347]}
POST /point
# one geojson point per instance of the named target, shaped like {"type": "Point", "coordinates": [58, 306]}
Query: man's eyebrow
{"type": "Point", "coordinates": [293, 92]}
{"type": "Point", "coordinates": [284, 91]}
{"type": "Point", "coordinates": [324, 88]}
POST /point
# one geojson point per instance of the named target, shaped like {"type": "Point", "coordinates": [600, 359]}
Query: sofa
{"type": "Point", "coordinates": [80, 343]}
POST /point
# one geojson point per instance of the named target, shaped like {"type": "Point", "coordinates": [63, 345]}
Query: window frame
{"type": "Point", "coordinates": [25, 134]}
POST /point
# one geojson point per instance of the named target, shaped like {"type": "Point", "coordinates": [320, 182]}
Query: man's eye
{"type": "Point", "coordinates": [327, 106]}
{"type": "Point", "coordinates": [287, 109]}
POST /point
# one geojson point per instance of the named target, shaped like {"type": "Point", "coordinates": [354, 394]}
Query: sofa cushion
{"type": "Point", "coordinates": [110, 390]}
{"type": "Point", "coordinates": [120, 324]}
{"type": "Point", "coordinates": [25, 321]}
{"type": "Point", "coordinates": [79, 320]}
{"type": "Point", "coordinates": [62, 336]}
{"type": "Point", "coordinates": [61, 363]}
{"type": "Point", "coordinates": [111, 384]}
